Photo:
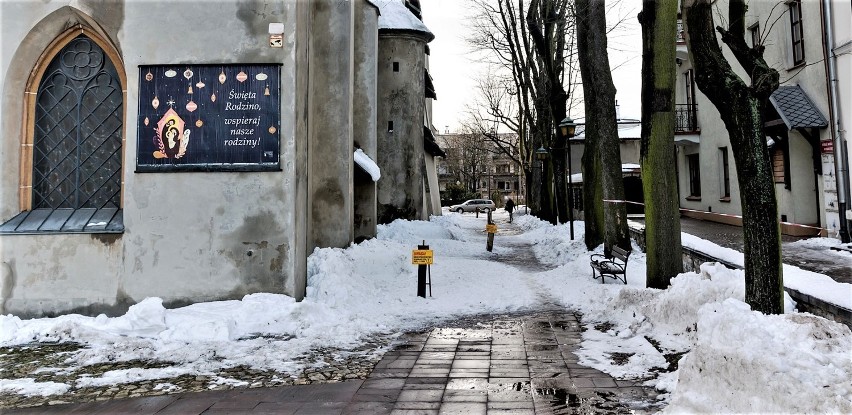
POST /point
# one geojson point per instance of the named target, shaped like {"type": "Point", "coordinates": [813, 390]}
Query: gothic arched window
{"type": "Point", "coordinates": [77, 132]}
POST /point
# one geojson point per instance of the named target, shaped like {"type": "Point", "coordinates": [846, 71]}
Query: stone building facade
{"type": "Point", "coordinates": [92, 221]}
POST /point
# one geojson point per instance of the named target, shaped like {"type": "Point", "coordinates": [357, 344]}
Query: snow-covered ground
{"type": "Point", "coordinates": [735, 360]}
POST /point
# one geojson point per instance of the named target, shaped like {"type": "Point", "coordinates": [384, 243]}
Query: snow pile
{"type": "Point", "coordinates": [29, 387]}
{"type": "Point", "coordinates": [745, 361]}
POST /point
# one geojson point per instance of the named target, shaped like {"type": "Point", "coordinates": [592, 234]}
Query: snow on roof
{"type": "Point", "coordinates": [366, 163]}
{"type": "Point", "coordinates": [627, 129]}
{"type": "Point", "coordinates": [393, 15]}
{"type": "Point", "coordinates": [627, 169]}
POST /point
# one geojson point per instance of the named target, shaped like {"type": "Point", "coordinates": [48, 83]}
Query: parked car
{"type": "Point", "coordinates": [471, 205]}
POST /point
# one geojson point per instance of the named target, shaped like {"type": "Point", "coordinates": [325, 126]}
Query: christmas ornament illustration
{"type": "Point", "coordinates": [200, 85]}
{"type": "Point", "coordinates": [222, 77]}
{"type": "Point", "coordinates": [272, 130]}
{"type": "Point", "coordinates": [266, 91]}
{"type": "Point", "coordinates": [199, 123]}
{"type": "Point", "coordinates": [242, 76]}
{"type": "Point", "coordinates": [170, 73]}
{"type": "Point", "coordinates": [189, 91]}
{"type": "Point", "coordinates": [146, 121]}
{"type": "Point", "coordinates": [191, 106]}
{"type": "Point", "coordinates": [213, 97]}
{"type": "Point", "coordinates": [187, 73]}
{"type": "Point", "coordinates": [155, 102]}
{"type": "Point", "coordinates": [261, 76]}
{"type": "Point", "coordinates": [149, 76]}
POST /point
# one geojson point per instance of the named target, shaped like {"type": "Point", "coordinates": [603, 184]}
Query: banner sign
{"type": "Point", "coordinates": [491, 228]}
{"type": "Point", "coordinates": [209, 118]}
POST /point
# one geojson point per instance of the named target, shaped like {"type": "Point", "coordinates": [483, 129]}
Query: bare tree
{"type": "Point", "coordinates": [740, 106]}
{"type": "Point", "coordinates": [503, 29]}
{"type": "Point", "coordinates": [659, 179]}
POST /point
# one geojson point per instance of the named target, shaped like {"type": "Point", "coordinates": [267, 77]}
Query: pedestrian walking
{"type": "Point", "coordinates": [510, 206]}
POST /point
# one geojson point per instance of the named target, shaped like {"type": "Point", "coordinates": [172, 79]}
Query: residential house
{"type": "Point", "coordinates": [796, 122]}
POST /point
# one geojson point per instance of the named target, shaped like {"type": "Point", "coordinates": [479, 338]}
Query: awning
{"type": "Point", "coordinates": [430, 87]}
{"type": "Point", "coordinates": [430, 145]}
{"type": "Point", "coordinates": [796, 109]}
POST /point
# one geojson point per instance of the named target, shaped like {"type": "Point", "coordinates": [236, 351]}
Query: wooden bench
{"type": "Point", "coordinates": [615, 267]}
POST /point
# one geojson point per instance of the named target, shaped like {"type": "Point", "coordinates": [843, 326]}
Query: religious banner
{"type": "Point", "coordinates": [208, 118]}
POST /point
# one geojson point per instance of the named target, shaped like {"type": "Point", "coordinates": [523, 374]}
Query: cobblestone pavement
{"type": "Point", "coordinates": [22, 361]}
{"type": "Point", "coordinates": [509, 364]}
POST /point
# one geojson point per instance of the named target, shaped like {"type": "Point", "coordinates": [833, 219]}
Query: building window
{"type": "Point", "coordinates": [726, 176]}
{"type": "Point", "coordinates": [796, 33]}
{"type": "Point", "coordinates": [396, 66]}
{"type": "Point", "coordinates": [754, 30]}
{"type": "Point", "coordinates": [694, 176]}
{"type": "Point", "coordinates": [73, 180]}
{"type": "Point", "coordinates": [390, 126]}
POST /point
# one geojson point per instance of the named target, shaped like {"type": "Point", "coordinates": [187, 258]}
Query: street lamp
{"type": "Point", "coordinates": [569, 127]}
{"type": "Point", "coordinates": [541, 154]}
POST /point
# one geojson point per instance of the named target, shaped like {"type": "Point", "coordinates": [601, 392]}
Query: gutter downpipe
{"type": "Point", "coordinates": [840, 151]}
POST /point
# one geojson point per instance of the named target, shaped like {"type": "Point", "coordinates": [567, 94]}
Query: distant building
{"type": "Point", "coordinates": [481, 166]}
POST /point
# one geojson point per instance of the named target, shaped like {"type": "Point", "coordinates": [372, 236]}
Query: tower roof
{"type": "Point", "coordinates": [394, 17]}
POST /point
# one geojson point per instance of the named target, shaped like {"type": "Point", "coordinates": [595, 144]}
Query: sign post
{"type": "Point", "coordinates": [423, 258]}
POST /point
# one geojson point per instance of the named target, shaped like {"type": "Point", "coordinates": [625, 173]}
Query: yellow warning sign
{"type": "Point", "coordinates": [491, 228]}
{"type": "Point", "coordinates": [421, 257]}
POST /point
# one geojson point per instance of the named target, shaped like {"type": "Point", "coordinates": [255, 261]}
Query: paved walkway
{"type": "Point", "coordinates": [522, 364]}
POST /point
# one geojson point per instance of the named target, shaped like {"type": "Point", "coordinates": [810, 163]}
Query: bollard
{"type": "Point", "coordinates": [491, 228]}
{"type": "Point", "coordinates": [477, 213]}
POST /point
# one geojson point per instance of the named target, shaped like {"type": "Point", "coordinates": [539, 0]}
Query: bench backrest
{"type": "Point", "coordinates": [619, 253]}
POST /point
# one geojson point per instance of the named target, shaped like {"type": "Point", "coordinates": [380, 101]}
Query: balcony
{"type": "Point", "coordinates": [686, 119]}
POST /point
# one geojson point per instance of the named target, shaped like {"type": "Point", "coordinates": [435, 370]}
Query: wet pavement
{"type": "Point", "coordinates": [816, 259]}
{"type": "Point", "coordinates": [509, 364]}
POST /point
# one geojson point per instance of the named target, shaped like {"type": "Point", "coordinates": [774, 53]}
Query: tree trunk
{"type": "Point", "coordinates": [593, 212]}
{"type": "Point", "coordinates": [740, 107]}
{"type": "Point", "coordinates": [600, 104]}
{"type": "Point", "coordinates": [659, 179]}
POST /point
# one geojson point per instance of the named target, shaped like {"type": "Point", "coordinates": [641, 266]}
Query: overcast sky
{"type": "Point", "coordinates": [454, 71]}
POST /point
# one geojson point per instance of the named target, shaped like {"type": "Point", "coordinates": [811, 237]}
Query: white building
{"type": "Point", "coordinates": [796, 123]}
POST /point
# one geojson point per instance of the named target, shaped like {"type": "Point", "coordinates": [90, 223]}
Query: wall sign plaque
{"type": "Point", "coordinates": [208, 118]}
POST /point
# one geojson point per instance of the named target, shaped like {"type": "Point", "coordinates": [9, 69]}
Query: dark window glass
{"type": "Point", "coordinates": [798, 41]}
{"type": "Point", "coordinates": [755, 34]}
{"type": "Point", "coordinates": [694, 175]}
{"type": "Point", "coordinates": [726, 176]}
{"type": "Point", "coordinates": [78, 131]}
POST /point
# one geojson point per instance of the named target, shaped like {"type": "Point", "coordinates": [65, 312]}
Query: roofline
{"type": "Point", "coordinates": [427, 36]}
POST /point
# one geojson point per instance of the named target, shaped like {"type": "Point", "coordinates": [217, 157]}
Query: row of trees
{"type": "Point", "coordinates": [546, 52]}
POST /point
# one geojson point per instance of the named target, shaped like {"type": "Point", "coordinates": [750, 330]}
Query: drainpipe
{"type": "Point", "coordinates": [840, 156]}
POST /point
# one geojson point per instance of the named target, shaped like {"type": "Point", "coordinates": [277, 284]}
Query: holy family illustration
{"type": "Point", "coordinates": [171, 138]}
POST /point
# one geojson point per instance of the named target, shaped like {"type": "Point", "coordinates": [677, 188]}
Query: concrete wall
{"type": "Point", "coordinates": [400, 151]}
{"type": "Point", "coordinates": [200, 250]}
{"type": "Point", "coordinates": [365, 112]}
{"type": "Point", "coordinates": [330, 122]}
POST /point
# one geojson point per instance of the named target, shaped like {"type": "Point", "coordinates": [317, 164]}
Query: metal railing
{"type": "Point", "coordinates": [686, 118]}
